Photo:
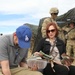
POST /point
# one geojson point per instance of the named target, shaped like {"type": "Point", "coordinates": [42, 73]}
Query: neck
{"type": "Point", "coordinates": [15, 39]}
{"type": "Point", "coordinates": [52, 39]}
{"type": "Point", "coordinates": [53, 17]}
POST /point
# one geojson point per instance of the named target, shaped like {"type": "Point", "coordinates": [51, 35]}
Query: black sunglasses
{"type": "Point", "coordinates": [53, 30]}
{"type": "Point", "coordinates": [55, 13]}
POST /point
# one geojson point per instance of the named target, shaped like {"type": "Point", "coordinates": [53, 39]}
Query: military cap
{"type": "Point", "coordinates": [54, 10]}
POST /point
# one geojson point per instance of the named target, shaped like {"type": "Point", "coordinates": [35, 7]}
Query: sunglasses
{"type": "Point", "coordinates": [53, 30]}
{"type": "Point", "coordinates": [55, 13]}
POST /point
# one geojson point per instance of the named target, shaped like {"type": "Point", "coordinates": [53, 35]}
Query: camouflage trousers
{"type": "Point", "coordinates": [70, 47]}
{"type": "Point", "coordinates": [23, 71]}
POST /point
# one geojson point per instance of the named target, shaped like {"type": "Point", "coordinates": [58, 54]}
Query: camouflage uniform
{"type": "Point", "coordinates": [65, 30]}
{"type": "Point", "coordinates": [71, 42]}
{"type": "Point", "coordinates": [70, 37]}
{"type": "Point", "coordinates": [49, 20]}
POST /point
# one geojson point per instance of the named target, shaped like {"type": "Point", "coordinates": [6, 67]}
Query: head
{"type": "Point", "coordinates": [72, 24]}
{"type": "Point", "coordinates": [22, 36]}
{"type": "Point", "coordinates": [54, 12]}
{"type": "Point", "coordinates": [51, 30]}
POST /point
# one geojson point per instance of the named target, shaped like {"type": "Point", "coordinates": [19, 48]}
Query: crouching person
{"type": "Point", "coordinates": [13, 52]}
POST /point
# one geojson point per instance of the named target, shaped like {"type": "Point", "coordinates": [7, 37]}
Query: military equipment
{"type": "Point", "coordinates": [45, 56]}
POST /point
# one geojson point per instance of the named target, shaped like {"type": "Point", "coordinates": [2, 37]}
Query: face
{"type": "Point", "coordinates": [51, 32]}
{"type": "Point", "coordinates": [54, 15]}
{"type": "Point", "coordinates": [72, 25]}
{"type": "Point", "coordinates": [15, 40]}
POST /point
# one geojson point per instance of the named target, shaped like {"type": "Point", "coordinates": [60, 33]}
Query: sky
{"type": "Point", "coordinates": [14, 13]}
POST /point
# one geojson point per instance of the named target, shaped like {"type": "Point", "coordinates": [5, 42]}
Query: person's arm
{"type": "Point", "coordinates": [66, 60]}
{"type": "Point", "coordinates": [5, 67]}
{"type": "Point", "coordinates": [23, 64]}
{"type": "Point", "coordinates": [43, 28]}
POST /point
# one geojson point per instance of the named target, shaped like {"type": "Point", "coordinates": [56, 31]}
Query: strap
{"type": "Point", "coordinates": [70, 30]}
{"type": "Point", "coordinates": [53, 50]}
{"type": "Point", "coordinates": [53, 47]}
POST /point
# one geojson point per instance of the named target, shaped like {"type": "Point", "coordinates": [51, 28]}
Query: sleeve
{"type": "Point", "coordinates": [3, 49]}
{"type": "Point", "coordinates": [40, 45]}
{"type": "Point", "coordinates": [43, 29]}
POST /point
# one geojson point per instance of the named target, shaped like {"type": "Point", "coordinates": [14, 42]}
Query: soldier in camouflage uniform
{"type": "Point", "coordinates": [65, 29]}
{"type": "Point", "coordinates": [70, 37]}
{"type": "Point", "coordinates": [53, 12]}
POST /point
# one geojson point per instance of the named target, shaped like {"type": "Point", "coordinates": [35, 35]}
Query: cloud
{"type": "Point", "coordinates": [14, 13]}
{"type": "Point", "coordinates": [27, 6]}
{"type": "Point", "coordinates": [31, 10]}
{"type": "Point", "coordinates": [20, 6]}
{"type": "Point", "coordinates": [18, 21]}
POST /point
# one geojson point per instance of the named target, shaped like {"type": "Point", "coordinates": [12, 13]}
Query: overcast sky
{"type": "Point", "coordinates": [18, 12]}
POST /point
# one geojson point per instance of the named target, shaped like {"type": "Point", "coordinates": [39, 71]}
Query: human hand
{"type": "Point", "coordinates": [34, 68]}
{"type": "Point", "coordinates": [38, 54]}
{"type": "Point", "coordinates": [67, 61]}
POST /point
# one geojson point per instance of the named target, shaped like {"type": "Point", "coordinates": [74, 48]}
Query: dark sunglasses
{"type": "Point", "coordinates": [53, 30]}
{"type": "Point", "coordinates": [55, 13]}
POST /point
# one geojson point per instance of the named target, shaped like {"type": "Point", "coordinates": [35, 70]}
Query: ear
{"type": "Point", "coordinates": [14, 34]}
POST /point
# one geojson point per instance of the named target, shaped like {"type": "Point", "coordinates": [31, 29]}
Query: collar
{"type": "Point", "coordinates": [11, 40]}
